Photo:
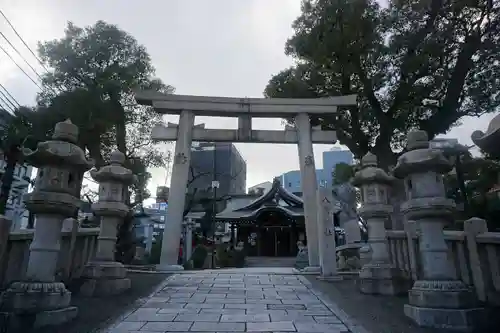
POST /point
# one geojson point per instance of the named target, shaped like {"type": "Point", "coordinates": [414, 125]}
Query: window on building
{"type": "Point", "coordinates": [289, 184]}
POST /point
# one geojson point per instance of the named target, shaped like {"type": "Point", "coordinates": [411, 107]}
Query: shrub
{"type": "Point", "coordinates": [227, 257]}
{"type": "Point", "coordinates": [198, 257]}
{"type": "Point", "coordinates": [154, 257]}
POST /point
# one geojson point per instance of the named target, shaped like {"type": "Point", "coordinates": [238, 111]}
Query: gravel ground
{"type": "Point", "coordinates": [94, 313]}
{"type": "Point", "coordinates": [377, 314]}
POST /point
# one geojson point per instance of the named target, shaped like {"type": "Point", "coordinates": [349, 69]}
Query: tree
{"type": "Point", "coordinates": [92, 73]}
{"type": "Point", "coordinates": [342, 173]}
{"type": "Point", "coordinates": [414, 64]}
{"type": "Point", "coordinates": [17, 131]}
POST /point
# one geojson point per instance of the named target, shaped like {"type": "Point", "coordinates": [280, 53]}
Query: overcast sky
{"type": "Point", "coordinates": [211, 48]}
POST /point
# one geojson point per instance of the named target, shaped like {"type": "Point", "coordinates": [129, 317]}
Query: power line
{"type": "Point", "coordinates": [8, 100]}
{"type": "Point", "coordinates": [11, 97]}
{"type": "Point", "coordinates": [22, 57]}
{"type": "Point", "coordinates": [22, 70]}
{"type": "Point", "coordinates": [6, 105]}
{"type": "Point", "coordinates": [22, 40]}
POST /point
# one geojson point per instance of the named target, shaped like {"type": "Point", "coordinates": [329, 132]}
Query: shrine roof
{"type": "Point", "coordinates": [275, 199]}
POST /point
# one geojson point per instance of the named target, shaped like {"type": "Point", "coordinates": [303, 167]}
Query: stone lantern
{"type": "Point", "coordinates": [438, 299]}
{"type": "Point", "coordinates": [60, 162]}
{"type": "Point", "coordinates": [188, 239]}
{"type": "Point", "coordinates": [103, 275]}
{"type": "Point", "coordinates": [378, 276]}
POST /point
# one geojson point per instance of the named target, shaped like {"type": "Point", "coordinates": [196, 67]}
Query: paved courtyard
{"type": "Point", "coordinates": [235, 301]}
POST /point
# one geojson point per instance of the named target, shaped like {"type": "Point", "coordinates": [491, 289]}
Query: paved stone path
{"type": "Point", "coordinates": [233, 301]}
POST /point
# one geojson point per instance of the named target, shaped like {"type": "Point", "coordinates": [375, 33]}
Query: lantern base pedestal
{"type": "Point", "coordinates": [382, 279]}
{"type": "Point", "coordinates": [445, 304]}
{"type": "Point", "coordinates": [311, 270]}
{"type": "Point", "coordinates": [330, 278]}
{"type": "Point", "coordinates": [104, 279]}
{"type": "Point", "coordinates": [36, 304]}
{"type": "Point", "coordinates": [169, 268]}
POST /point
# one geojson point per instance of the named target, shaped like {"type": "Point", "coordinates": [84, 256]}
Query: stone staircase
{"type": "Point", "coordinates": [270, 261]}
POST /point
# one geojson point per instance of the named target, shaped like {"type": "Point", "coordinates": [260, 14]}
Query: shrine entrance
{"type": "Point", "coordinates": [269, 226]}
{"type": "Point", "coordinates": [303, 134]}
{"type": "Point", "coordinates": [273, 234]}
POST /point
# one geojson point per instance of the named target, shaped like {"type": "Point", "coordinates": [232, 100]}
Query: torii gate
{"type": "Point", "coordinates": [244, 109]}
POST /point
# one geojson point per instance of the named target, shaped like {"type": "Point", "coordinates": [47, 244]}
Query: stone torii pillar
{"type": "Point", "coordinates": [177, 199]}
{"type": "Point", "coordinates": [60, 161]}
{"type": "Point", "coordinates": [103, 275]}
{"type": "Point", "coordinates": [326, 235]}
{"type": "Point", "coordinates": [438, 299]}
{"type": "Point", "coordinates": [309, 189]}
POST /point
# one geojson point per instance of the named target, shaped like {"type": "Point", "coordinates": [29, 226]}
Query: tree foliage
{"type": "Point", "coordinates": [342, 173]}
{"type": "Point", "coordinates": [415, 64]}
{"type": "Point", "coordinates": [17, 131]}
{"type": "Point", "coordinates": [92, 74]}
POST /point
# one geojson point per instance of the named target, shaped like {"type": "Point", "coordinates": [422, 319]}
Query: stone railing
{"type": "Point", "coordinates": [77, 248]}
{"type": "Point", "coordinates": [475, 252]}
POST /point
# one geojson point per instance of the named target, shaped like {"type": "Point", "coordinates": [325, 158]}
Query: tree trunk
{"type": "Point", "coordinates": [11, 159]}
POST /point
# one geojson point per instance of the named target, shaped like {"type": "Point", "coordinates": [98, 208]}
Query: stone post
{"type": "Point", "coordinates": [309, 189]}
{"type": "Point", "coordinates": [326, 236]}
{"type": "Point", "coordinates": [180, 172]}
{"type": "Point", "coordinates": [378, 276]}
{"type": "Point", "coordinates": [352, 231]}
{"type": "Point", "coordinates": [59, 161]}
{"type": "Point", "coordinates": [103, 275]}
{"type": "Point", "coordinates": [188, 240]}
{"type": "Point", "coordinates": [438, 300]}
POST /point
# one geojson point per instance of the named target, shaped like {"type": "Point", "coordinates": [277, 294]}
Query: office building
{"type": "Point", "coordinates": [230, 168]}
{"type": "Point", "coordinates": [291, 180]}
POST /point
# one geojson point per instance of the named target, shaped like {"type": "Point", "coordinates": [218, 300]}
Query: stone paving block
{"type": "Point", "coordinates": [126, 326]}
{"type": "Point", "coordinates": [181, 295]}
{"type": "Point", "coordinates": [176, 311]}
{"type": "Point", "coordinates": [211, 296]}
{"type": "Point", "coordinates": [258, 311]}
{"type": "Point", "coordinates": [218, 290]}
{"type": "Point", "coordinates": [301, 301]}
{"type": "Point", "coordinates": [287, 295]}
{"type": "Point", "coordinates": [277, 326]}
{"type": "Point", "coordinates": [262, 301]}
{"type": "Point", "coordinates": [163, 305]}
{"type": "Point", "coordinates": [204, 306]}
{"type": "Point", "coordinates": [146, 311]}
{"type": "Point", "coordinates": [321, 328]}
{"type": "Point", "coordinates": [225, 300]}
{"type": "Point", "coordinates": [187, 300]}
{"type": "Point", "coordinates": [245, 306]}
{"type": "Point", "coordinates": [310, 312]}
{"type": "Point", "coordinates": [215, 317]}
{"type": "Point", "coordinates": [218, 327]}
{"type": "Point", "coordinates": [151, 317]}
{"type": "Point", "coordinates": [327, 319]}
{"type": "Point", "coordinates": [286, 306]}
{"type": "Point", "coordinates": [167, 326]}
{"type": "Point", "coordinates": [245, 318]}
{"type": "Point", "coordinates": [293, 318]}
{"type": "Point", "coordinates": [224, 311]}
